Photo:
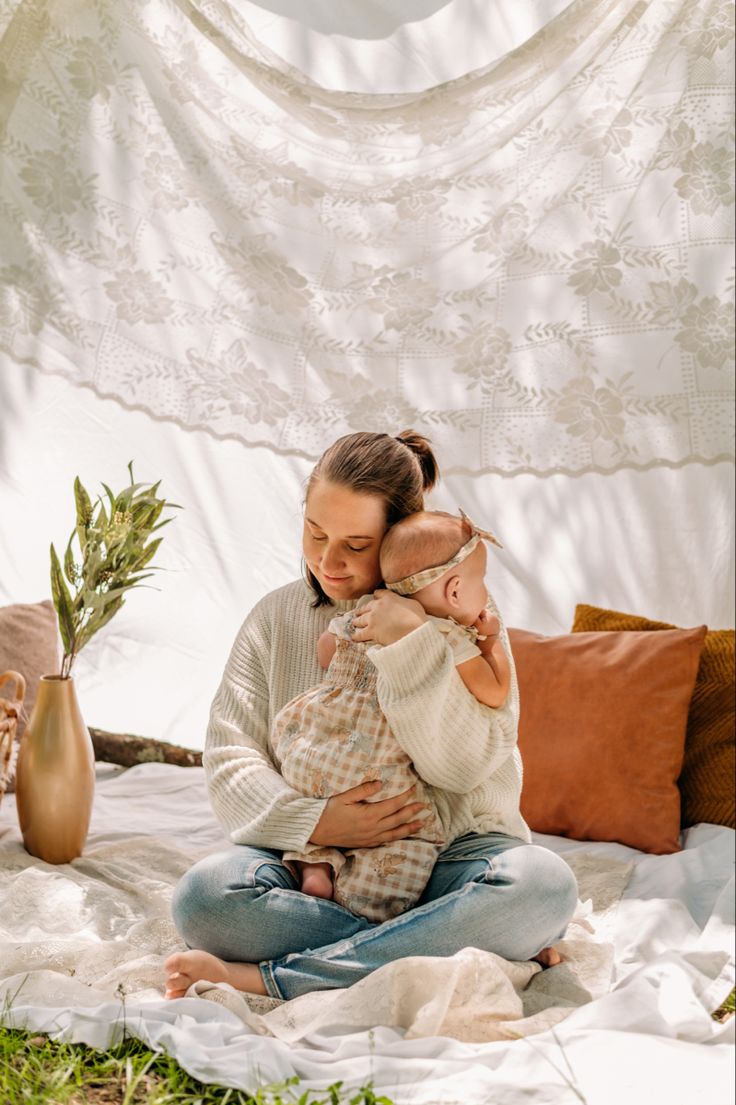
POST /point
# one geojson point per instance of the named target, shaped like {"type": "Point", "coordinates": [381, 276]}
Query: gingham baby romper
{"type": "Point", "coordinates": [334, 737]}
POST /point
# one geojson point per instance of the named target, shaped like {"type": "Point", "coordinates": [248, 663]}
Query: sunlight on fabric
{"type": "Point", "coordinates": [658, 543]}
{"type": "Point", "coordinates": [66, 906]}
{"type": "Point", "coordinates": [380, 46]}
{"type": "Point", "coordinates": [531, 262]}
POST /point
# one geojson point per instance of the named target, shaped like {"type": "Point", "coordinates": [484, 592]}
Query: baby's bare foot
{"type": "Point", "coordinates": [548, 957]}
{"type": "Point", "coordinates": [316, 880]}
{"type": "Point", "coordinates": [184, 968]}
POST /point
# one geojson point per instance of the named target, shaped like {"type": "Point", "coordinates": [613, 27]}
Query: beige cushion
{"type": "Point", "coordinates": [29, 643]}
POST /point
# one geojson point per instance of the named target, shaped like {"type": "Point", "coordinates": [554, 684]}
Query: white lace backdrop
{"type": "Point", "coordinates": [270, 223]}
{"type": "Point", "coordinates": [532, 262]}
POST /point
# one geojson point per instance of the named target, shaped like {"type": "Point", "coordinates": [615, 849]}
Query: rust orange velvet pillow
{"type": "Point", "coordinates": [602, 732]}
{"type": "Point", "coordinates": [707, 780]}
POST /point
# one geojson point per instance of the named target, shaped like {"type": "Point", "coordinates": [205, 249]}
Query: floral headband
{"type": "Point", "coordinates": [413, 583]}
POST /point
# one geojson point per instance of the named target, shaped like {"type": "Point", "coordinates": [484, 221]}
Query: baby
{"type": "Point", "coordinates": [335, 736]}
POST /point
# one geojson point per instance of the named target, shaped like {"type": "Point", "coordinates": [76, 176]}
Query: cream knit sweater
{"type": "Point", "coordinates": [466, 751]}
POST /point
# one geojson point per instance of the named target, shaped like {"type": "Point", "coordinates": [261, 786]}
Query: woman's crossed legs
{"type": "Point", "coordinates": [244, 907]}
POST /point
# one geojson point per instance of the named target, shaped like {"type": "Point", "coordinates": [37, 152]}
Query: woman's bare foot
{"type": "Point", "coordinates": [548, 957]}
{"type": "Point", "coordinates": [184, 968]}
{"type": "Point", "coordinates": [316, 879]}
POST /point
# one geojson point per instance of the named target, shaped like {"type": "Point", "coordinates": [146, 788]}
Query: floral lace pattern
{"type": "Point", "coordinates": [531, 263]}
{"type": "Point", "coordinates": [103, 921]}
{"type": "Point", "coordinates": [99, 929]}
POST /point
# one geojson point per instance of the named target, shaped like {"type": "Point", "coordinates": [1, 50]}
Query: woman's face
{"type": "Point", "coordinates": [342, 535]}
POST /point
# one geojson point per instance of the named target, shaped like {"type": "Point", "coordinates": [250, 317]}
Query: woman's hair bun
{"type": "Point", "coordinates": [422, 449]}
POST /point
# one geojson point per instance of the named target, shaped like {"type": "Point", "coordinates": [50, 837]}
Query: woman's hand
{"type": "Point", "coordinates": [387, 618]}
{"type": "Point", "coordinates": [350, 821]}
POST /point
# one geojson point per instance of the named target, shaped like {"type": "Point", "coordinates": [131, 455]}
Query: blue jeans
{"type": "Point", "coordinates": [490, 891]}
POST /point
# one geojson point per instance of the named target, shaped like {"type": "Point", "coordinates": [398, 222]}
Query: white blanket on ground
{"type": "Point", "coordinates": [647, 957]}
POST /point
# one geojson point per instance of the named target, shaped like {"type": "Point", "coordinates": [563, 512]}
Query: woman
{"type": "Point", "coordinates": [241, 910]}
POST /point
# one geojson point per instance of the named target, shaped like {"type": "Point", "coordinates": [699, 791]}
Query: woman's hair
{"type": "Point", "coordinates": [399, 469]}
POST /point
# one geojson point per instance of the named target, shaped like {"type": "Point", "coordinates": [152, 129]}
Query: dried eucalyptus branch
{"type": "Point", "coordinates": [114, 547]}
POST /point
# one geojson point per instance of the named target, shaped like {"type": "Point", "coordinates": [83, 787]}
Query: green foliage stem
{"type": "Point", "coordinates": [113, 545]}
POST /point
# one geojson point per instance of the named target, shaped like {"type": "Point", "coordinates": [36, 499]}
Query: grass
{"type": "Point", "coordinates": [35, 1070]}
{"type": "Point", "coordinates": [727, 1009]}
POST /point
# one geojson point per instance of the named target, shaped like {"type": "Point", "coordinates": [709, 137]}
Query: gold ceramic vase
{"type": "Point", "coordinates": [55, 776]}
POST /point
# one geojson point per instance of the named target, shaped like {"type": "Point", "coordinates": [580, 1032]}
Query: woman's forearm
{"type": "Point", "coordinates": [454, 741]}
{"type": "Point", "coordinates": [252, 801]}
{"type": "Point", "coordinates": [254, 804]}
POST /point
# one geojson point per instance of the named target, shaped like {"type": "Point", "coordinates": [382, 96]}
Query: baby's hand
{"type": "Point", "coordinates": [326, 647]}
{"type": "Point", "coordinates": [488, 625]}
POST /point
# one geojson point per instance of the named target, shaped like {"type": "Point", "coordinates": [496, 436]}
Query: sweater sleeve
{"type": "Point", "coordinates": [454, 741]}
{"type": "Point", "coordinates": [249, 796]}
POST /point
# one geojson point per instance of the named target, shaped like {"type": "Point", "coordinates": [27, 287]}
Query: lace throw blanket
{"type": "Point", "coordinates": [99, 928]}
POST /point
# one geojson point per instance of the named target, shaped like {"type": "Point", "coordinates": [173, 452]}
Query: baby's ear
{"type": "Point", "coordinates": [452, 591]}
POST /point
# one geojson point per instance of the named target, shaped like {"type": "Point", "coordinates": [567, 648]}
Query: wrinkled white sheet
{"type": "Point", "coordinates": [73, 936]}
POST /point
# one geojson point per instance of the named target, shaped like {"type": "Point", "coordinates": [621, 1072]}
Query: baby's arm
{"type": "Point", "coordinates": [326, 646]}
{"type": "Point", "coordinates": [488, 676]}
{"type": "Point", "coordinates": [493, 651]}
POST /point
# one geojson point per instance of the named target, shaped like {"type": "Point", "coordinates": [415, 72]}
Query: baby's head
{"type": "Point", "coordinates": [429, 539]}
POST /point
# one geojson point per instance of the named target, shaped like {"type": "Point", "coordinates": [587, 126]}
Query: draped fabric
{"type": "Point", "coordinates": [532, 263]}
{"type": "Point", "coordinates": [624, 1018]}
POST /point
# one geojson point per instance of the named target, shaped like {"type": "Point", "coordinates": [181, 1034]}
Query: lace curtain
{"type": "Point", "coordinates": [532, 263]}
